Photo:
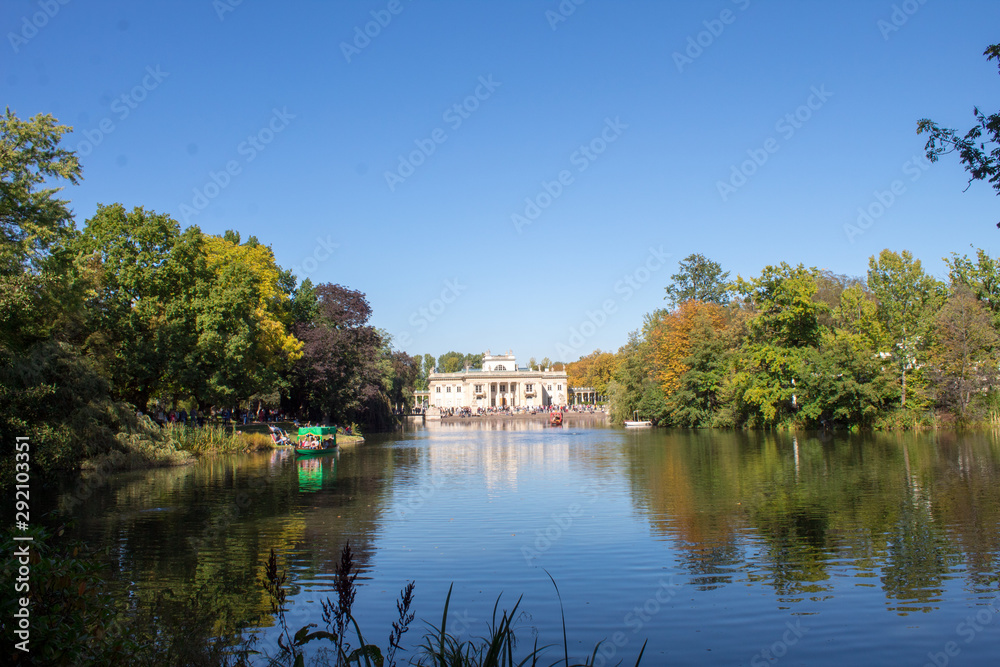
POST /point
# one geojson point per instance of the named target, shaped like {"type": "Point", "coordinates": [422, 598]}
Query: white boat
{"type": "Point", "coordinates": [637, 423]}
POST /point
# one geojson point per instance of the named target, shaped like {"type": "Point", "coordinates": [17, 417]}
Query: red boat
{"type": "Point", "coordinates": [555, 419]}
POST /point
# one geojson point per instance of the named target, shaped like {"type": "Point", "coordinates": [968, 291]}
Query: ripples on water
{"type": "Point", "coordinates": [713, 546]}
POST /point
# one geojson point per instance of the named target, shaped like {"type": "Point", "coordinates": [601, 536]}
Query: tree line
{"type": "Point", "coordinates": [804, 347]}
{"type": "Point", "coordinates": [131, 310]}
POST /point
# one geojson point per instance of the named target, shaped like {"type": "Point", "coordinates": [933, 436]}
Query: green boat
{"type": "Point", "coordinates": [328, 434]}
{"type": "Point", "coordinates": [314, 452]}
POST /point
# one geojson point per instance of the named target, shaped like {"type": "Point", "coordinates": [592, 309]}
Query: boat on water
{"type": "Point", "coordinates": [555, 419]}
{"type": "Point", "coordinates": [306, 451]}
{"type": "Point", "coordinates": [322, 438]}
{"type": "Point", "coordinates": [636, 422]}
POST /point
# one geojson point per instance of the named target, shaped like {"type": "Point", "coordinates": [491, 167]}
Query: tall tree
{"type": "Point", "coordinates": [907, 300]}
{"type": "Point", "coordinates": [700, 279]}
{"type": "Point", "coordinates": [451, 362]}
{"type": "Point", "coordinates": [964, 357]}
{"type": "Point", "coordinates": [405, 373]}
{"type": "Point", "coordinates": [979, 149]}
{"type": "Point", "coordinates": [632, 388]}
{"type": "Point", "coordinates": [145, 276]}
{"type": "Point", "coordinates": [786, 323]}
{"type": "Point", "coordinates": [982, 276]}
{"type": "Point", "coordinates": [249, 345]}
{"type": "Point", "coordinates": [695, 398]}
{"type": "Point", "coordinates": [340, 374]}
{"type": "Point", "coordinates": [32, 220]}
{"type": "Point", "coordinates": [672, 340]}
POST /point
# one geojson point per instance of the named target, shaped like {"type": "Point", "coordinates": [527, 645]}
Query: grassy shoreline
{"type": "Point", "coordinates": [148, 445]}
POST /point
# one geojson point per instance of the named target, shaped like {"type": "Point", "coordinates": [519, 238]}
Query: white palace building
{"type": "Point", "coordinates": [499, 383]}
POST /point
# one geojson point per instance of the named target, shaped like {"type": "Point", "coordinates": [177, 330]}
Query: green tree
{"type": "Point", "coordinates": [32, 220]}
{"type": "Point", "coordinates": [49, 391]}
{"type": "Point", "coordinates": [144, 277]}
{"type": "Point", "coordinates": [700, 279]}
{"type": "Point", "coordinates": [244, 316]}
{"type": "Point", "coordinates": [907, 300]}
{"type": "Point", "coordinates": [426, 366]}
{"type": "Point", "coordinates": [696, 400]}
{"type": "Point", "coordinates": [842, 382]}
{"type": "Point", "coordinates": [785, 324]}
{"type": "Point", "coordinates": [982, 276]}
{"type": "Point", "coordinates": [405, 373]}
{"type": "Point", "coordinates": [451, 362]}
{"type": "Point", "coordinates": [979, 149]}
{"type": "Point", "coordinates": [963, 357]}
{"type": "Point", "coordinates": [632, 387]}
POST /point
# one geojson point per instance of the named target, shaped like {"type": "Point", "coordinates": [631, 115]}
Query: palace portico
{"type": "Point", "coordinates": [500, 383]}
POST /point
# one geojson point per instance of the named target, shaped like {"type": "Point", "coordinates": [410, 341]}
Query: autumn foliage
{"type": "Point", "coordinates": [671, 338]}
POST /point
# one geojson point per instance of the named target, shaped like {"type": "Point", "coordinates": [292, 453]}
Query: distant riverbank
{"type": "Point", "coordinates": [569, 417]}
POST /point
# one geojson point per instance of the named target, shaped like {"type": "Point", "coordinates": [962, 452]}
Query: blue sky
{"type": "Point", "coordinates": [512, 174]}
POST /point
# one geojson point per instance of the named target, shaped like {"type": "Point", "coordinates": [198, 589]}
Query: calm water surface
{"type": "Point", "coordinates": [719, 548]}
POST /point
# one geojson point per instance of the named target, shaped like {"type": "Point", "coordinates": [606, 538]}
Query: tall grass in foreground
{"type": "Point", "coordinates": [498, 648]}
{"type": "Point", "coordinates": [77, 619]}
{"type": "Point", "coordinates": [216, 439]}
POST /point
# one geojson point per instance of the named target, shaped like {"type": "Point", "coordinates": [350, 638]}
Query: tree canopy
{"type": "Point", "coordinates": [978, 149]}
{"type": "Point", "coordinates": [699, 279]}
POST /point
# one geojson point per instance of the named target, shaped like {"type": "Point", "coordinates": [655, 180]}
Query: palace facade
{"type": "Point", "coordinates": [499, 383]}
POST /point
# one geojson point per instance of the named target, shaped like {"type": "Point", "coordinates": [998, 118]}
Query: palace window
{"type": "Point", "coordinates": [559, 387]}
{"type": "Point", "coordinates": [438, 389]}
{"type": "Point", "coordinates": [479, 388]}
{"type": "Point", "coordinates": [550, 387]}
{"type": "Point", "coordinates": [458, 389]}
{"type": "Point", "coordinates": [499, 368]}
{"type": "Point", "coordinates": [529, 387]}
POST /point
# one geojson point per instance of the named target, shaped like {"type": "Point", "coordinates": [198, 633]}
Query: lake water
{"type": "Point", "coordinates": [716, 547]}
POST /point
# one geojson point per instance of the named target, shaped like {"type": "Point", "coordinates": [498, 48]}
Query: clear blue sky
{"type": "Point", "coordinates": [309, 128]}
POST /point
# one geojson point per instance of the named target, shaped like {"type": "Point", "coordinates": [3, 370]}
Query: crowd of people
{"type": "Point", "coordinates": [508, 411]}
{"type": "Point", "coordinates": [223, 416]}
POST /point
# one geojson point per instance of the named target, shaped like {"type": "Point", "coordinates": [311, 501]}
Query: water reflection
{"type": "Point", "coordinates": [789, 510]}
{"type": "Point", "coordinates": [771, 525]}
{"type": "Point", "coordinates": [317, 472]}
